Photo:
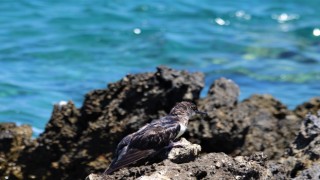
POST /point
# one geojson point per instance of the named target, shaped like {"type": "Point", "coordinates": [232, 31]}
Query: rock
{"type": "Point", "coordinates": [311, 173]}
{"type": "Point", "coordinates": [79, 141]}
{"type": "Point", "coordinates": [224, 92]}
{"type": "Point", "coordinates": [311, 106]}
{"type": "Point", "coordinates": [277, 170]}
{"type": "Point", "coordinates": [272, 128]}
{"type": "Point", "coordinates": [185, 152]}
{"type": "Point", "coordinates": [13, 140]}
{"type": "Point", "coordinates": [209, 166]}
{"type": "Point", "coordinates": [258, 124]}
{"type": "Point", "coordinates": [303, 156]}
{"type": "Point", "coordinates": [224, 128]}
{"type": "Point", "coordinates": [44, 157]}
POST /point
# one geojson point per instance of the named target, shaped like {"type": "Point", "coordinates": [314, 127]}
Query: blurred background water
{"type": "Point", "coordinates": [59, 50]}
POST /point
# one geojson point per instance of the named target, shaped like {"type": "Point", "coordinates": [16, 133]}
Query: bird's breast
{"type": "Point", "coordinates": [183, 129]}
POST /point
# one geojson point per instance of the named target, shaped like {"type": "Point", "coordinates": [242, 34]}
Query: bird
{"type": "Point", "coordinates": [153, 137]}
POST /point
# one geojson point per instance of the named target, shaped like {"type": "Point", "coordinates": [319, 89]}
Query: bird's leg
{"type": "Point", "coordinates": [174, 144]}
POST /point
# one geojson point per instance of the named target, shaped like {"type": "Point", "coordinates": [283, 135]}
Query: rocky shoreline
{"type": "Point", "coordinates": [258, 138]}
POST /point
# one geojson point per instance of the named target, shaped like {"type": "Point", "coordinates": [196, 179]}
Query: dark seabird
{"type": "Point", "coordinates": [153, 137]}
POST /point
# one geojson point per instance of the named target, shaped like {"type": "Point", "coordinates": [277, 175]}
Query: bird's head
{"type": "Point", "coordinates": [185, 108]}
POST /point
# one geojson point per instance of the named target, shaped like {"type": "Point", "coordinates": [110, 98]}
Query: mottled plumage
{"type": "Point", "coordinates": [153, 137]}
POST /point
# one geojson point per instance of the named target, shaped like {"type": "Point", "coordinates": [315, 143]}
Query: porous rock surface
{"type": "Point", "coordinates": [303, 156]}
{"type": "Point", "coordinates": [13, 139]}
{"type": "Point", "coordinates": [259, 123]}
{"type": "Point", "coordinates": [184, 152]}
{"type": "Point", "coordinates": [258, 138]}
{"type": "Point", "coordinates": [312, 106]}
{"type": "Point", "coordinates": [209, 166]}
{"type": "Point", "coordinates": [78, 141]}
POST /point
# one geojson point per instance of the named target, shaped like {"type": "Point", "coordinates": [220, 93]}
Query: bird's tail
{"type": "Point", "coordinates": [127, 159]}
{"type": "Point", "coordinates": [109, 171]}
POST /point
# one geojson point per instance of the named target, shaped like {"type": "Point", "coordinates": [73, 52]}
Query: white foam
{"type": "Point", "coordinates": [62, 103]}
{"type": "Point", "coordinates": [36, 130]}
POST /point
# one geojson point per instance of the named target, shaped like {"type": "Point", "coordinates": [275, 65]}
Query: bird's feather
{"type": "Point", "coordinates": [147, 141]}
{"type": "Point", "coordinates": [156, 135]}
{"type": "Point", "coordinates": [132, 155]}
{"type": "Point", "coordinates": [153, 137]}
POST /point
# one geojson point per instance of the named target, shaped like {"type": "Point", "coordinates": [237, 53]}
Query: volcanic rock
{"type": "Point", "coordinates": [209, 166]}
{"type": "Point", "coordinates": [272, 126]}
{"type": "Point", "coordinates": [258, 124]}
{"type": "Point", "coordinates": [79, 141]}
{"type": "Point", "coordinates": [13, 140]}
{"type": "Point", "coordinates": [260, 135]}
{"type": "Point", "coordinates": [184, 152]}
{"type": "Point", "coordinates": [303, 157]}
{"type": "Point", "coordinates": [312, 106]}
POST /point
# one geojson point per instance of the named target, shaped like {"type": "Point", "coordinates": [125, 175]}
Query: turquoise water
{"type": "Point", "coordinates": [52, 51]}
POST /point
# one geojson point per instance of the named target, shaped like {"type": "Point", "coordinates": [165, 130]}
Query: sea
{"type": "Point", "coordinates": [52, 51]}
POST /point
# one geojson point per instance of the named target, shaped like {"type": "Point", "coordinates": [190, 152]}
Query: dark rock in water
{"type": "Point", "coordinates": [13, 139]}
{"type": "Point", "coordinates": [77, 142]}
{"type": "Point", "coordinates": [298, 57]}
{"type": "Point", "coordinates": [288, 54]}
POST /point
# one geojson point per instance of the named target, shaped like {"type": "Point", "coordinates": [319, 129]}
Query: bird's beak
{"type": "Point", "coordinates": [201, 113]}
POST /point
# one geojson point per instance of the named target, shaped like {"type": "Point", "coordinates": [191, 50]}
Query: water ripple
{"type": "Point", "coordinates": [52, 51]}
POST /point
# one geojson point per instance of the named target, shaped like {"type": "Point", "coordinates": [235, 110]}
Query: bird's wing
{"type": "Point", "coordinates": [122, 144]}
{"type": "Point", "coordinates": [157, 135]}
{"type": "Point", "coordinates": [121, 149]}
{"type": "Point", "coordinates": [145, 142]}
